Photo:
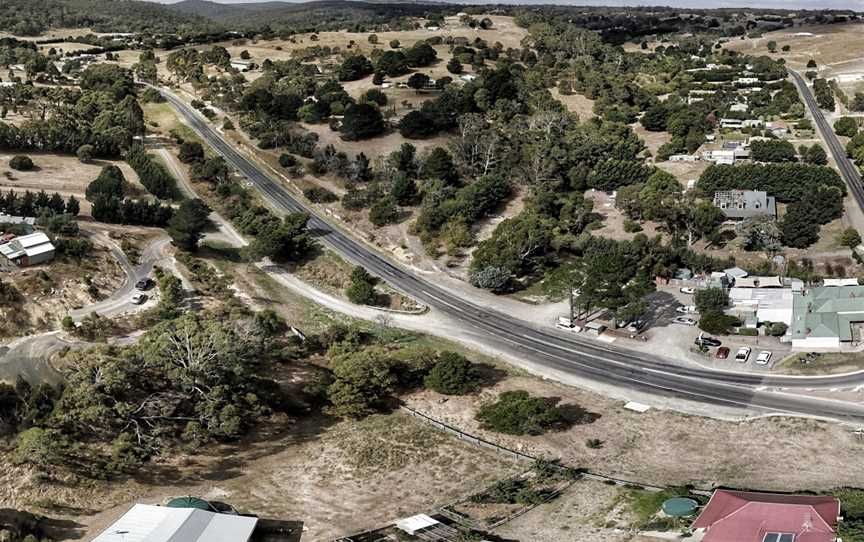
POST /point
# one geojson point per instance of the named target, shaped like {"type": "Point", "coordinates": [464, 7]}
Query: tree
{"type": "Point", "coordinates": [655, 118]}
{"type": "Point", "coordinates": [21, 163]}
{"type": "Point", "coordinates": [518, 244]}
{"type": "Point", "coordinates": [373, 39]}
{"type": "Point", "coordinates": [849, 238]}
{"type": "Point", "coordinates": [285, 240]}
{"type": "Point", "coordinates": [85, 154]}
{"type": "Point", "coordinates": [404, 190]}
{"type": "Point", "coordinates": [798, 228]}
{"type": "Point", "coordinates": [361, 121]}
{"type": "Point", "coordinates": [375, 96]}
{"type": "Point", "coordinates": [824, 94]}
{"type": "Point", "coordinates": [420, 54]}
{"type": "Point", "coordinates": [417, 125]}
{"type": "Point", "coordinates": [811, 63]}
{"type": "Point", "coordinates": [439, 165]}
{"type": "Point", "coordinates": [418, 81]}
{"type": "Point", "coordinates": [354, 67]}
{"type": "Point", "coordinates": [772, 46]}
{"type": "Point", "coordinates": [72, 206]}
{"type": "Point", "coordinates": [109, 183]}
{"type": "Point", "coordinates": [846, 126]}
{"type": "Point", "coordinates": [392, 63]}
{"type": "Point", "coordinates": [857, 102]}
{"type": "Point", "coordinates": [361, 289]}
{"type": "Point", "coordinates": [244, 55]}
{"type": "Point", "coordinates": [709, 299]}
{"type": "Point", "coordinates": [453, 374]}
{"type": "Point", "coordinates": [394, 44]}
{"type": "Point", "coordinates": [190, 151]}
{"type": "Point", "coordinates": [454, 66]}
{"type": "Point", "coordinates": [188, 224]}
{"type": "Point", "coordinates": [814, 155]}
{"type": "Point", "coordinates": [518, 413]}
{"type": "Point", "coordinates": [384, 211]}
{"type": "Point", "coordinates": [362, 382]}
{"type": "Point", "coordinates": [772, 150]}
{"type": "Point", "coordinates": [717, 323]}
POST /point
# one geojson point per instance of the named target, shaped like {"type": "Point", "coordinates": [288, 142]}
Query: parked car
{"type": "Point", "coordinates": [139, 299]}
{"type": "Point", "coordinates": [687, 290]}
{"type": "Point", "coordinates": [684, 321]}
{"type": "Point", "coordinates": [722, 353]}
{"type": "Point", "coordinates": [637, 326]}
{"type": "Point", "coordinates": [743, 354]}
{"type": "Point", "coordinates": [686, 309]}
{"type": "Point", "coordinates": [707, 341]}
{"type": "Point", "coordinates": [144, 284]}
{"type": "Point", "coordinates": [763, 358]}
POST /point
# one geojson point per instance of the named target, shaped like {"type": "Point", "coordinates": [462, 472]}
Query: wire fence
{"type": "Point", "coordinates": [479, 441]}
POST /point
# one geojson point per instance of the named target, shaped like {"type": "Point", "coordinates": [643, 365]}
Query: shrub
{"type": "Point", "coordinates": [318, 194]}
{"type": "Point", "coordinates": [21, 163]}
{"type": "Point", "coordinates": [286, 160]}
{"type": "Point", "coordinates": [85, 154]}
{"type": "Point", "coordinates": [517, 413]}
{"type": "Point", "coordinates": [190, 151]}
{"type": "Point", "coordinates": [849, 238]}
{"type": "Point", "coordinates": [361, 290]}
{"type": "Point", "coordinates": [453, 374]}
{"type": "Point", "coordinates": [594, 443]}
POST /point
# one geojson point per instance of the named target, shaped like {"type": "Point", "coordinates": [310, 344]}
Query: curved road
{"type": "Point", "coordinates": [601, 363]}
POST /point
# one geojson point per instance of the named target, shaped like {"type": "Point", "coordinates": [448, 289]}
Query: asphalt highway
{"type": "Point", "coordinates": [847, 168]}
{"type": "Point", "coordinates": [601, 363]}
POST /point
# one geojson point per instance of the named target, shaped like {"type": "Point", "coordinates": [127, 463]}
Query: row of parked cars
{"type": "Point", "coordinates": [741, 356]}
{"type": "Point", "coordinates": [142, 285]}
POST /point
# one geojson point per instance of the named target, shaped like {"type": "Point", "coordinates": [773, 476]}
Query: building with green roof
{"type": "Point", "coordinates": [824, 317]}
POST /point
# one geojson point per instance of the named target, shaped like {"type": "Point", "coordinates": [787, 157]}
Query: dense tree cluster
{"type": "Point", "coordinates": [824, 94]}
{"type": "Point", "coordinates": [787, 182]}
{"type": "Point", "coordinates": [772, 150]}
{"type": "Point", "coordinates": [152, 174]}
{"type": "Point", "coordinates": [35, 204]}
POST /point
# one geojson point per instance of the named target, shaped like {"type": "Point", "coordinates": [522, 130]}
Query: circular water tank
{"type": "Point", "coordinates": [189, 502]}
{"type": "Point", "coordinates": [680, 507]}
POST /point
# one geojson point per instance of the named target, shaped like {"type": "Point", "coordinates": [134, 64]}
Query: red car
{"type": "Point", "coordinates": [722, 353]}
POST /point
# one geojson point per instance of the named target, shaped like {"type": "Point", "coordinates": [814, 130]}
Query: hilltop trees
{"type": "Point", "coordinates": [355, 67]}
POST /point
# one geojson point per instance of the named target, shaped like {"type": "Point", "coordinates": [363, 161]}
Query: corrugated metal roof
{"type": "Point", "coordinates": [147, 523]}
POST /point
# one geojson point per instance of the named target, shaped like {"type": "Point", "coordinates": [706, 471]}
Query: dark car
{"type": "Point", "coordinates": [722, 353]}
{"type": "Point", "coordinates": [707, 341]}
{"type": "Point", "coordinates": [144, 284]}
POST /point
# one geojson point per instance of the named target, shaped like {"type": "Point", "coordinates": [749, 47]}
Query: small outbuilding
{"type": "Point", "coordinates": [148, 523]}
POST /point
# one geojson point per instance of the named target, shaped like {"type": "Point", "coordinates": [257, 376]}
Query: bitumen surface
{"type": "Point", "coordinates": [602, 363]}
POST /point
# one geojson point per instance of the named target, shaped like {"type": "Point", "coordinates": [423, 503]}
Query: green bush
{"type": "Point", "coordinates": [318, 194]}
{"type": "Point", "coordinates": [717, 323]}
{"type": "Point", "coordinates": [517, 413]}
{"type": "Point", "coordinates": [361, 289]}
{"type": "Point", "coordinates": [711, 299]}
{"type": "Point", "coordinates": [748, 332]}
{"type": "Point", "coordinates": [21, 163]}
{"type": "Point", "coordinates": [453, 374]}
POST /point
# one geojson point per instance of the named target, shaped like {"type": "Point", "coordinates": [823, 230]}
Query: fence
{"type": "Point", "coordinates": [478, 441]}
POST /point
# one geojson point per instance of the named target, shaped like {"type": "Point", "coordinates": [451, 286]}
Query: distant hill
{"type": "Point", "coordinates": [332, 14]}
{"type": "Point", "coordinates": [32, 17]}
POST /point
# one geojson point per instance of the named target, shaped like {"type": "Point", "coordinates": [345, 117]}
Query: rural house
{"type": "Point", "coordinates": [741, 516]}
{"type": "Point", "coordinates": [742, 204]}
{"type": "Point", "coordinates": [144, 522]}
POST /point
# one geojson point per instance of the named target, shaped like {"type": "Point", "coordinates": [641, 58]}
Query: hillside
{"type": "Point", "coordinates": [32, 17]}
{"type": "Point", "coordinates": [323, 15]}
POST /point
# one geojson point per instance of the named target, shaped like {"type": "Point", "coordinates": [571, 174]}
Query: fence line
{"type": "Point", "coordinates": [479, 441]}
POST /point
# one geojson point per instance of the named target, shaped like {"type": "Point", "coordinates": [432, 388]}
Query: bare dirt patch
{"type": "Point", "coordinates": [575, 103]}
{"type": "Point", "coordinates": [612, 224]}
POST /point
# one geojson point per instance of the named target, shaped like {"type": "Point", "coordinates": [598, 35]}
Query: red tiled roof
{"type": "Point", "coordinates": [740, 516]}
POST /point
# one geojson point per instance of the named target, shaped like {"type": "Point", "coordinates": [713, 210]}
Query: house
{"type": "Point", "coordinates": [720, 156]}
{"type": "Point", "coordinates": [740, 516]}
{"type": "Point", "coordinates": [27, 250]}
{"type": "Point", "coordinates": [753, 123]}
{"type": "Point", "coordinates": [144, 522]}
{"type": "Point", "coordinates": [742, 204]}
{"type": "Point", "coordinates": [426, 528]}
{"type": "Point", "coordinates": [468, 77]}
{"type": "Point", "coordinates": [747, 80]}
{"type": "Point", "coordinates": [739, 107]}
{"type": "Point", "coordinates": [824, 317]}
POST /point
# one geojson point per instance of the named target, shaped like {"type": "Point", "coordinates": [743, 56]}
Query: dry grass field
{"type": "Point", "coordinates": [835, 48]}
{"type": "Point", "coordinates": [667, 448]}
{"type": "Point", "coordinates": [61, 173]}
